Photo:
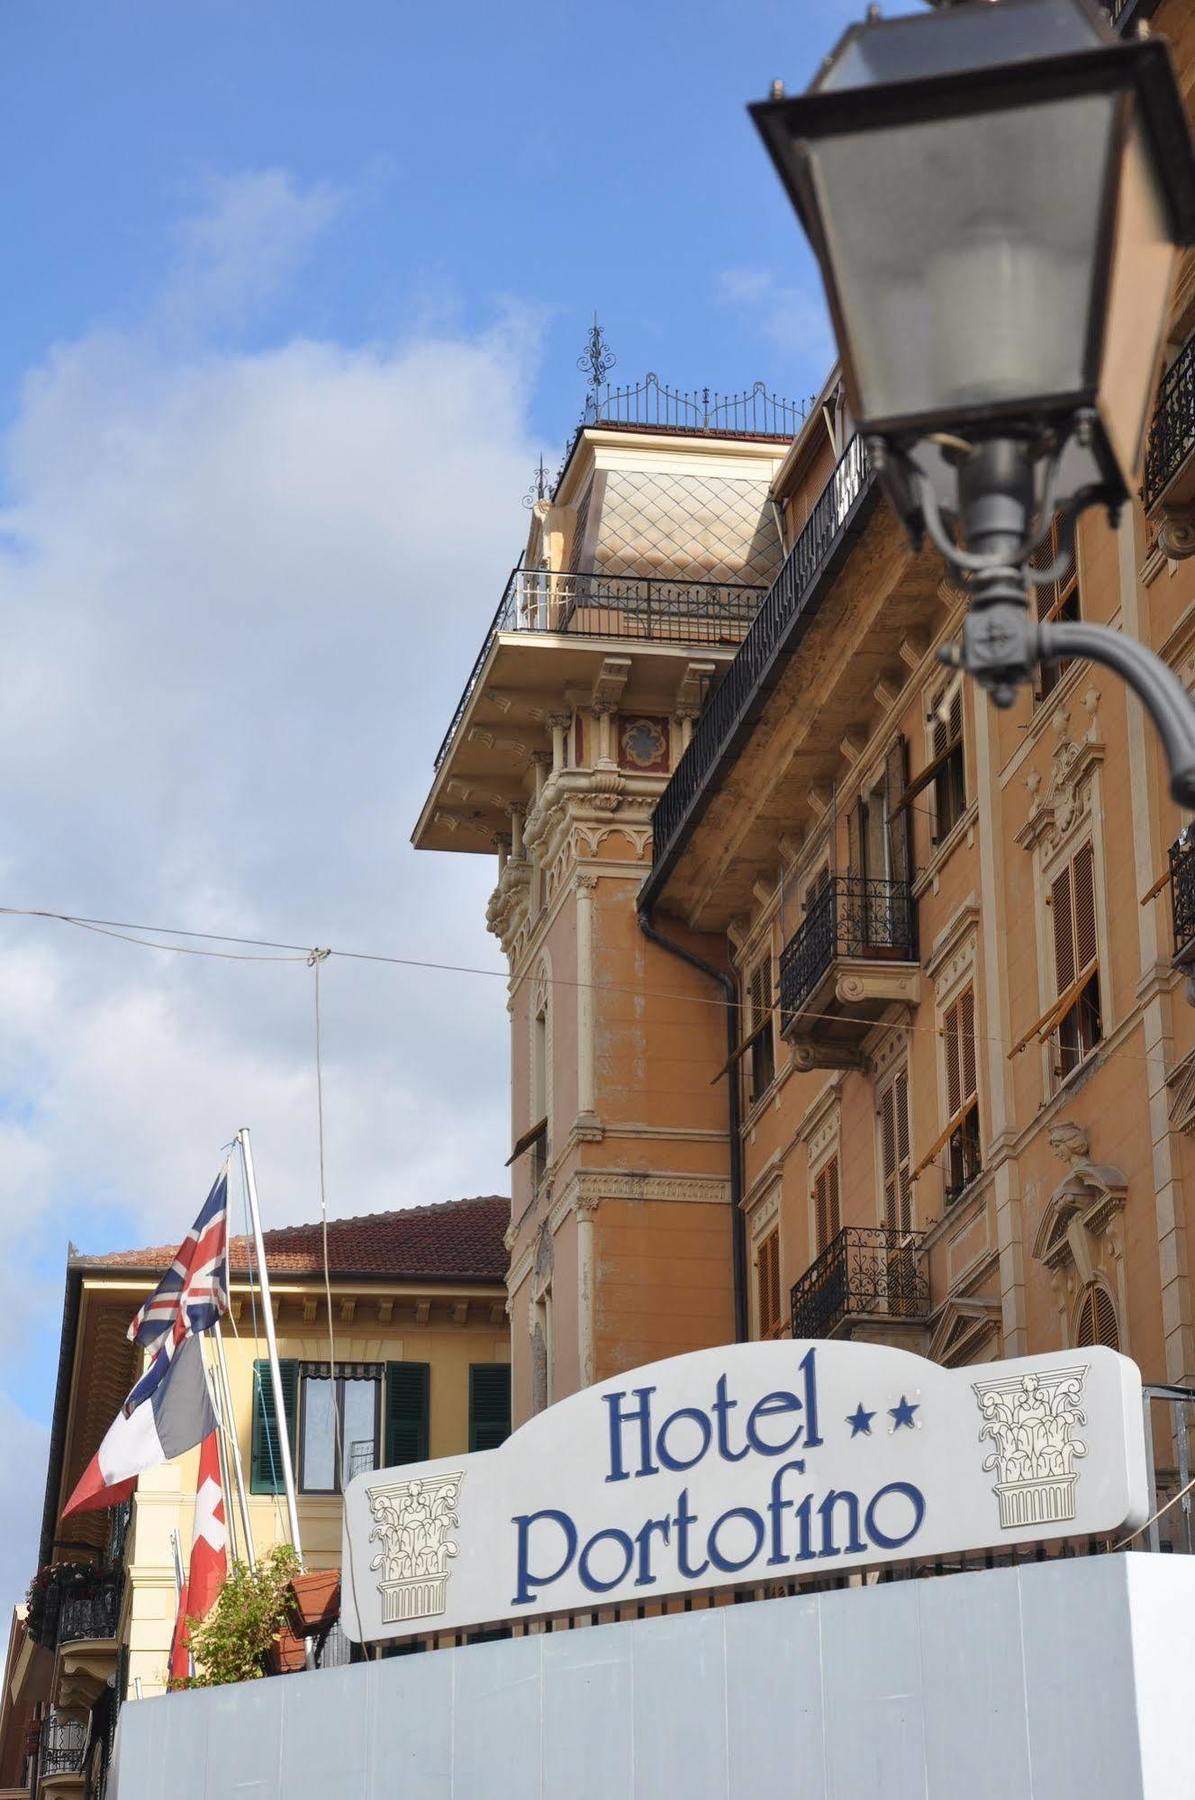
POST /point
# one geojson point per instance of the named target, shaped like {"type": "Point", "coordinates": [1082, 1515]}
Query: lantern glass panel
{"type": "Point", "coordinates": [1143, 266]}
{"type": "Point", "coordinates": [963, 253]}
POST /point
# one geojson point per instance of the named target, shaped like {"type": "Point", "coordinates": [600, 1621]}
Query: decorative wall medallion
{"type": "Point", "coordinates": [643, 744]}
{"type": "Point", "coordinates": [1030, 1419]}
{"type": "Point", "coordinates": [412, 1520]}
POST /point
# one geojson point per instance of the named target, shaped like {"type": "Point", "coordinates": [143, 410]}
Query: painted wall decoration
{"type": "Point", "coordinates": [643, 745]}
{"type": "Point", "coordinates": [749, 1463]}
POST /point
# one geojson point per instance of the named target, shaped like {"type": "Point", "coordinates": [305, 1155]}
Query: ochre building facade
{"type": "Point", "coordinates": [712, 742]}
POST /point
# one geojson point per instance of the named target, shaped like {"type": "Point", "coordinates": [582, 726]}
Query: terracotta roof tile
{"type": "Point", "coordinates": [456, 1240]}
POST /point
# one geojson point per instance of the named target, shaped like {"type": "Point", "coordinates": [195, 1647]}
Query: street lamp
{"type": "Point", "coordinates": [997, 194]}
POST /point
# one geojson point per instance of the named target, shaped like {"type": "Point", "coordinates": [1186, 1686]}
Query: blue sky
{"type": "Point", "coordinates": [295, 297]}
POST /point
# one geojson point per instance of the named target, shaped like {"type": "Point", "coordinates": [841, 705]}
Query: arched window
{"type": "Point", "coordinates": [1097, 1319]}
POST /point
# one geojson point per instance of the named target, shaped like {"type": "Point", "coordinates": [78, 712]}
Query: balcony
{"type": "Point", "coordinates": [790, 604]}
{"type": "Point", "coordinates": [1169, 487]}
{"type": "Point", "coordinates": [628, 608]}
{"type": "Point", "coordinates": [60, 1757]}
{"type": "Point", "coordinates": [853, 956]}
{"type": "Point", "coordinates": [870, 1282]}
{"type": "Point", "coordinates": [1182, 896]}
{"type": "Point", "coordinates": [649, 404]}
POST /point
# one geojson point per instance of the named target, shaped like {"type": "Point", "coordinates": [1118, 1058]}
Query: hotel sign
{"type": "Point", "coordinates": [752, 1463]}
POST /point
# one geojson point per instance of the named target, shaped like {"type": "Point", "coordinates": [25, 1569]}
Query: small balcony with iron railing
{"type": "Point", "coordinates": [870, 1282]}
{"type": "Point", "coordinates": [1182, 895]}
{"type": "Point", "coordinates": [853, 956]}
{"type": "Point", "coordinates": [1169, 487]}
{"type": "Point", "coordinates": [60, 1749]}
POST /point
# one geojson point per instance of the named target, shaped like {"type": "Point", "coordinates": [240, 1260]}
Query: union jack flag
{"type": "Point", "coordinates": [191, 1295]}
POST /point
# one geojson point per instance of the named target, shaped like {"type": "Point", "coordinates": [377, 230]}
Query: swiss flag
{"type": "Point", "coordinates": [209, 1556]}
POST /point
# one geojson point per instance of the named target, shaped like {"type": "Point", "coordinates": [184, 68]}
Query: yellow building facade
{"type": "Point", "coordinates": [416, 1364]}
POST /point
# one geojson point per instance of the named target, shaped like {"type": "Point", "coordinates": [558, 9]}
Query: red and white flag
{"type": "Point", "coordinates": [209, 1556]}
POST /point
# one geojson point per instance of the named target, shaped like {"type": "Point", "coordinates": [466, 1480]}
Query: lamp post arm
{"type": "Point", "coordinates": [1155, 684]}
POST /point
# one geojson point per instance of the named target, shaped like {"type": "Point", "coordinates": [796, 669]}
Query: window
{"type": "Point", "coordinates": [950, 779]}
{"type": "Point", "coordinates": [767, 1285]}
{"type": "Point", "coordinates": [347, 1404]}
{"type": "Point", "coordinates": [962, 1100]}
{"type": "Point", "coordinates": [1058, 599]}
{"type": "Point", "coordinates": [1096, 1322]}
{"type": "Point", "coordinates": [362, 1398]}
{"type": "Point", "coordinates": [894, 1154]}
{"type": "Point", "coordinates": [489, 1405]}
{"type": "Point", "coordinates": [539, 1081]}
{"type": "Point", "coordinates": [761, 1036]}
{"type": "Point", "coordinates": [1076, 971]}
{"type": "Point", "coordinates": [826, 1211]}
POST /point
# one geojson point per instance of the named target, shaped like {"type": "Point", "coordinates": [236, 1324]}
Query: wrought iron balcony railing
{"type": "Point", "coordinates": [60, 1746]}
{"type": "Point", "coordinates": [794, 594]}
{"type": "Point", "coordinates": [852, 916]}
{"type": "Point", "coordinates": [866, 1270]}
{"type": "Point", "coordinates": [1182, 892]}
{"type": "Point", "coordinates": [93, 1614]}
{"type": "Point", "coordinates": [753, 413]}
{"type": "Point", "coordinates": [1172, 433]}
{"type": "Point", "coordinates": [652, 608]}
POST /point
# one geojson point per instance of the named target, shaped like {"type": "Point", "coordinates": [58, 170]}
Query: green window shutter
{"type": "Point", "coordinates": [489, 1405]}
{"type": "Point", "coordinates": [266, 1455]}
{"type": "Point", "coordinates": [408, 1387]}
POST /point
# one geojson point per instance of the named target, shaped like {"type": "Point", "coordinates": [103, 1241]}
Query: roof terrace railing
{"type": "Point", "coordinates": [651, 608]}
{"type": "Point", "coordinates": [791, 594]}
{"type": "Point", "coordinates": [753, 413]}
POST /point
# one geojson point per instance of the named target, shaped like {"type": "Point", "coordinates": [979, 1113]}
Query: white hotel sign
{"type": "Point", "coordinates": [753, 1463]}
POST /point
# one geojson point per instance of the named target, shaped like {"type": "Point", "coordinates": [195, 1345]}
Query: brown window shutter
{"type": "Point", "coordinates": [856, 834]}
{"type": "Point", "coordinates": [888, 1154]}
{"type": "Point", "coordinates": [819, 1207]}
{"type": "Point", "coordinates": [896, 779]}
{"type": "Point", "coordinates": [966, 1012]}
{"type": "Point", "coordinates": [1083, 888]}
{"type": "Point", "coordinates": [1097, 1320]}
{"type": "Point", "coordinates": [1064, 932]}
{"type": "Point", "coordinates": [768, 1283]}
{"type": "Point", "coordinates": [900, 1090]}
{"type": "Point", "coordinates": [833, 1219]}
{"type": "Point", "coordinates": [950, 1036]}
{"type": "Point", "coordinates": [825, 1203]}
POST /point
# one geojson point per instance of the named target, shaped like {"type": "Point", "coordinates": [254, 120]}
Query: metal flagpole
{"type": "Point", "coordinates": [288, 1474]}
{"type": "Point", "coordinates": [230, 1427]}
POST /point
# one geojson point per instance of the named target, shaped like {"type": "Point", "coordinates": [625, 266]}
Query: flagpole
{"type": "Point", "coordinates": [228, 1418]}
{"type": "Point", "coordinates": [217, 1399]}
{"type": "Point", "coordinates": [288, 1474]}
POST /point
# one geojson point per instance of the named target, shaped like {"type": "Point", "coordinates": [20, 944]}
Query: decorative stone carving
{"type": "Point", "coordinates": [1075, 1228]}
{"type": "Point", "coordinates": [1181, 1083]}
{"type": "Point", "coordinates": [1066, 802]}
{"type": "Point", "coordinates": [1176, 532]}
{"type": "Point", "coordinates": [1031, 1420]}
{"type": "Point", "coordinates": [412, 1522]}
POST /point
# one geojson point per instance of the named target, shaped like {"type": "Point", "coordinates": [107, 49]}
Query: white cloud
{"type": "Point", "coordinates": [791, 319]}
{"type": "Point", "coordinates": [241, 591]}
{"type": "Point", "coordinates": [254, 233]}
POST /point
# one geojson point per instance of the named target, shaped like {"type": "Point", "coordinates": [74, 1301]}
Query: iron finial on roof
{"type": "Point", "coordinates": [541, 485]}
{"type": "Point", "coordinates": [598, 358]}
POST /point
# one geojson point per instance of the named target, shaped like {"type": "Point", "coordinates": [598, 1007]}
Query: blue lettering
{"type": "Point", "coordinates": [765, 1408]}
{"type": "Point", "coordinates": [701, 1420]}
{"type": "Point", "coordinates": [618, 1418]}
{"type": "Point", "coordinates": [809, 1370]}
{"type": "Point", "coordinates": [684, 1518]}
{"type": "Point", "coordinates": [643, 1538]}
{"type": "Point", "coordinates": [728, 1563]}
{"type": "Point", "coordinates": [826, 1513]}
{"type": "Point", "coordinates": [916, 1499]}
{"type": "Point", "coordinates": [524, 1522]}
{"type": "Point", "coordinates": [777, 1507]}
{"type": "Point", "coordinates": [722, 1405]}
{"type": "Point", "coordinates": [590, 1580]}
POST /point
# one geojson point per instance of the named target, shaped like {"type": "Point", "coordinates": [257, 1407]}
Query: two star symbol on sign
{"type": "Point", "coordinates": [901, 1414]}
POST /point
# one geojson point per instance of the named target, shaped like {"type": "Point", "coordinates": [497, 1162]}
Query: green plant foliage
{"type": "Point", "coordinates": [232, 1642]}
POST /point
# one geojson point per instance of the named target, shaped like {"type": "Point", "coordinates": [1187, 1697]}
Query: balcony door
{"type": "Point", "coordinates": [880, 864]}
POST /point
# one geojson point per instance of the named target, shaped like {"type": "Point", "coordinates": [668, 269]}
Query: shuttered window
{"type": "Point", "coordinates": [1056, 600]}
{"type": "Point", "coordinates": [1097, 1322]}
{"type": "Point", "coordinates": [265, 1446]}
{"type": "Point", "coordinates": [1076, 967]}
{"type": "Point", "coordinates": [950, 782]}
{"type": "Point", "coordinates": [761, 1059]}
{"type": "Point", "coordinates": [767, 1285]}
{"type": "Point", "coordinates": [962, 1098]}
{"type": "Point", "coordinates": [826, 1212]}
{"type": "Point", "coordinates": [489, 1405]}
{"type": "Point", "coordinates": [894, 1154]}
{"type": "Point", "coordinates": [408, 1386]}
